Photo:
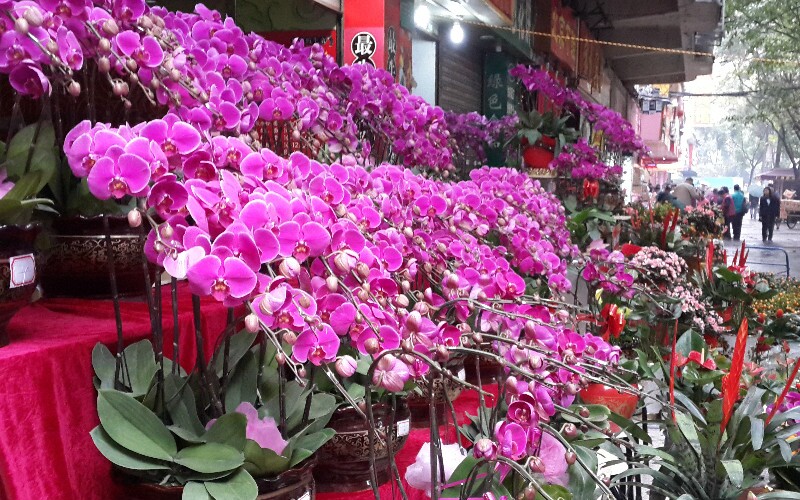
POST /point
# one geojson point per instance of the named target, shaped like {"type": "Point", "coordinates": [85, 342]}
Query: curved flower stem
{"type": "Point", "coordinates": [579, 460]}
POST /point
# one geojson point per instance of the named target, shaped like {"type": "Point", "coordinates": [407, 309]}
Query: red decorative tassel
{"type": "Point", "coordinates": [730, 382]}
{"type": "Point", "coordinates": [710, 259]}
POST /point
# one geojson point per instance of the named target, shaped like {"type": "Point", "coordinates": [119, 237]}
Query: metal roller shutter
{"type": "Point", "coordinates": [460, 82]}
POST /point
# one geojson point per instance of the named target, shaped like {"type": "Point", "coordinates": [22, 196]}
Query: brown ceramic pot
{"type": "Point", "coordinates": [441, 390]}
{"type": "Point", "coordinates": [344, 461]}
{"type": "Point", "coordinates": [489, 369]}
{"type": "Point", "coordinates": [77, 264]}
{"type": "Point", "coordinates": [294, 484]}
{"type": "Point", "coordinates": [18, 271]}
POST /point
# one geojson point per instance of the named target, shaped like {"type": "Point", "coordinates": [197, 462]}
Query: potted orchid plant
{"type": "Point", "coordinates": [543, 136]}
{"type": "Point", "coordinates": [29, 163]}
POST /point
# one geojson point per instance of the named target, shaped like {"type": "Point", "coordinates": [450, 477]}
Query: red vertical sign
{"type": "Point", "coordinates": [364, 34]}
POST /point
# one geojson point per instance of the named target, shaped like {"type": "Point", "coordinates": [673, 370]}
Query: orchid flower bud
{"type": "Point", "coordinates": [21, 26]}
{"type": "Point", "coordinates": [485, 448]}
{"type": "Point", "coordinates": [290, 338]}
{"type": "Point", "coordinates": [332, 283]}
{"type": "Point", "coordinates": [289, 267]}
{"type": "Point", "coordinates": [570, 457]}
{"type": "Point", "coordinates": [74, 88]}
{"type": "Point", "coordinates": [372, 346]}
{"type": "Point", "coordinates": [251, 323]}
{"type": "Point", "coordinates": [414, 321]}
{"type": "Point", "coordinates": [34, 17]}
{"type": "Point", "coordinates": [103, 64]}
{"type": "Point", "coordinates": [110, 27]}
{"type": "Point", "coordinates": [346, 366]}
{"type": "Point", "coordinates": [134, 218]}
{"type": "Point", "coordinates": [537, 465]}
{"type": "Point", "coordinates": [342, 263]}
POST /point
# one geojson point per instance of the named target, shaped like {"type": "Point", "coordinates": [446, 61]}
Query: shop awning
{"type": "Point", "coordinates": [660, 153]}
{"type": "Point", "coordinates": [334, 5]}
{"type": "Point", "coordinates": [777, 173]}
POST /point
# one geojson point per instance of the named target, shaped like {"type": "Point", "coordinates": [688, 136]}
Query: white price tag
{"type": "Point", "coordinates": [403, 427]}
{"type": "Point", "coordinates": [306, 496]}
{"type": "Point", "coordinates": [23, 270]}
{"type": "Point", "coordinates": [462, 374]}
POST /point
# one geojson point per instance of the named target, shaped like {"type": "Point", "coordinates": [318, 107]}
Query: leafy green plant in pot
{"type": "Point", "coordinates": [169, 435]}
{"type": "Point", "coordinates": [29, 162]}
{"type": "Point", "coordinates": [542, 136]}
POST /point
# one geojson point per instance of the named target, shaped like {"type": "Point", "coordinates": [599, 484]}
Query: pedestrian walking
{"type": "Point", "coordinates": [685, 193]}
{"type": "Point", "coordinates": [769, 207]}
{"type": "Point", "coordinates": [728, 211]}
{"type": "Point", "coordinates": [740, 204]}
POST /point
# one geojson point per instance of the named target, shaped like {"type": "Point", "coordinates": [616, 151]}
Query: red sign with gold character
{"type": "Point", "coordinates": [505, 7]}
{"type": "Point", "coordinates": [564, 28]}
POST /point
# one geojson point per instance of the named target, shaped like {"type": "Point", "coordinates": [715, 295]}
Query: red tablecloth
{"type": "Point", "coordinates": [48, 402]}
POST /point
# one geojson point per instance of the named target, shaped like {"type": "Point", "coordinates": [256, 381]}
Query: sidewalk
{"type": "Point", "coordinates": [783, 239]}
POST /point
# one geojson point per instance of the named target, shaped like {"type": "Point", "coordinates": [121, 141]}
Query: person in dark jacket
{"type": "Point", "coordinates": [769, 207]}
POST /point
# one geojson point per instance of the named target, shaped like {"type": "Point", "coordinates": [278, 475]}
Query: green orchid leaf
{"type": "Point", "coordinates": [123, 457]}
{"type": "Point", "coordinates": [131, 425]}
{"type": "Point", "coordinates": [241, 387]}
{"type": "Point", "coordinates": [181, 404]}
{"type": "Point", "coordinates": [555, 492]}
{"type": "Point", "coordinates": [229, 429]}
{"type": "Point", "coordinates": [319, 414]}
{"type": "Point", "coordinates": [25, 154]}
{"type": "Point", "coordinates": [309, 444]}
{"type": "Point", "coordinates": [597, 413]}
{"type": "Point", "coordinates": [239, 486]}
{"type": "Point", "coordinates": [263, 461]}
{"type": "Point", "coordinates": [186, 434]}
{"type": "Point", "coordinates": [209, 458]}
{"type": "Point", "coordinates": [104, 365]}
{"type": "Point", "coordinates": [140, 364]}
{"type": "Point", "coordinates": [195, 491]}
{"type": "Point", "coordinates": [240, 343]}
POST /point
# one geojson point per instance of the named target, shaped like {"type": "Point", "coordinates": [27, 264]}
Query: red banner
{"type": "Point", "coordinates": [364, 34]}
{"type": "Point", "coordinates": [564, 24]}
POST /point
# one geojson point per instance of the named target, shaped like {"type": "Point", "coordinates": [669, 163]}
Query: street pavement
{"type": "Point", "coordinates": [766, 256]}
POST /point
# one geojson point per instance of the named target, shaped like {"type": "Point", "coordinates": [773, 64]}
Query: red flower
{"type": "Point", "coordinates": [762, 345]}
{"type": "Point", "coordinates": [629, 250]}
{"type": "Point", "coordinates": [730, 382]}
{"type": "Point", "coordinates": [695, 357]}
{"type": "Point", "coordinates": [613, 321]}
{"type": "Point", "coordinates": [591, 189]}
{"type": "Point", "coordinates": [711, 340]}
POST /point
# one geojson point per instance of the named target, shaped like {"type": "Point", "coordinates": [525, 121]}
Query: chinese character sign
{"type": "Point", "coordinates": [363, 47]}
{"type": "Point", "coordinates": [364, 35]}
{"type": "Point", "coordinates": [564, 28]}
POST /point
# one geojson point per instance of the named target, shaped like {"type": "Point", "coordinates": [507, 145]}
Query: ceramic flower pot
{"type": "Point", "coordinates": [77, 264]}
{"type": "Point", "coordinates": [343, 463]}
{"type": "Point", "coordinates": [488, 368]}
{"type": "Point", "coordinates": [441, 390]}
{"type": "Point", "coordinates": [621, 403]}
{"type": "Point", "coordinates": [540, 154]}
{"type": "Point", "coordinates": [18, 271]}
{"type": "Point", "coordinates": [294, 484]}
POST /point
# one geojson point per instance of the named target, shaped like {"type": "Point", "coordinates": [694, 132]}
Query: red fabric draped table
{"type": "Point", "coordinates": [47, 397]}
{"type": "Point", "coordinates": [48, 400]}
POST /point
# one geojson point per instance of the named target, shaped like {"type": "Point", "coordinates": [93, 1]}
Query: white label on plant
{"type": "Point", "coordinates": [23, 270]}
{"type": "Point", "coordinates": [403, 427]}
{"type": "Point", "coordinates": [306, 496]}
{"type": "Point", "coordinates": [462, 374]}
